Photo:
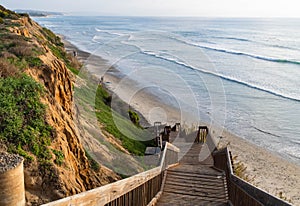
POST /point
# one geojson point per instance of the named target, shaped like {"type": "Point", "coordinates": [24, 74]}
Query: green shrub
{"type": "Point", "coordinates": [19, 52]}
{"type": "Point", "coordinates": [52, 37]}
{"type": "Point", "coordinates": [34, 61]}
{"type": "Point", "coordinates": [3, 14]}
{"type": "Point", "coordinates": [17, 62]}
{"type": "Point", "coordinates": [23, 153]}
{"type": "Point", "coordinates": [22, 116]}
{"type": "Point", "coordinates": [73, 70]}
{"type": "Point", "coordinates": [59, 157]}
{"type": "Point", "coordinates": [134, 117]}
{"type": "Point", "coordinates": [58, 52]}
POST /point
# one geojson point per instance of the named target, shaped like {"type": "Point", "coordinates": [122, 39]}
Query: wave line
{"type": "Point", "coordinates": [203, 70]}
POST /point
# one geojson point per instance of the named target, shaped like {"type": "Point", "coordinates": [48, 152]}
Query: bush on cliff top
{"type": "Point", "coordinates": [18, 51]}
{"type": "Point", "coordinates": [5, 13]}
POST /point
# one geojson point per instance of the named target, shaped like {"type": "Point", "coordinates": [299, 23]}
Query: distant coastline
{"type": "Point", "coordinates": [35, 13]}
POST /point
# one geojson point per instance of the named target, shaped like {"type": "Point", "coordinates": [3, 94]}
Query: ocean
{"type": "Point", "coordinates": [242, 74]}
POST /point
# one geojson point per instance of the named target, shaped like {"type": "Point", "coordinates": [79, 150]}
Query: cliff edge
{"type": "Point", "coordinates": [56, 164]}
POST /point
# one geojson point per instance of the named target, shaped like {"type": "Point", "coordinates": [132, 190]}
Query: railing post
{"type": "Point", "coordinates": [12, 189]}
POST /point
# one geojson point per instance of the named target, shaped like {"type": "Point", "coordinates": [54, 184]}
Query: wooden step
{"type": "Point", "coordinates": [195, 170]}
{"type": "Point", "coordinates": [182, 199]}
{"type": "Point", "coordinates": [197, 188]}
{"type": "Point", "coordinates": [194, 182]}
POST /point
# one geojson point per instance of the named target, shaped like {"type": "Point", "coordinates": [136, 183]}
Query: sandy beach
{"type": "Point", "coordinates": [265, 169]}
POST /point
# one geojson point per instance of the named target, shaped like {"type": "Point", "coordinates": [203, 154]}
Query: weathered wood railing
{"type": "Point", "coordinates": [139, 189]}
{"type": "Point", "coordinates": [241, 193]}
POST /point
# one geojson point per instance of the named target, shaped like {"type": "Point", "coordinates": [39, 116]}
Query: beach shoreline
{"type": "Point", "coordinates": [267, 170]}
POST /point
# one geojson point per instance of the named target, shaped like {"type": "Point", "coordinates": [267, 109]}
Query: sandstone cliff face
{"type": "Point", "coordinates": [75, 174]}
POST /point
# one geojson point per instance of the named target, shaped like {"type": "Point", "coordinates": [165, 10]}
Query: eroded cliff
{"type": "Point", "coordinates": [67, 171]}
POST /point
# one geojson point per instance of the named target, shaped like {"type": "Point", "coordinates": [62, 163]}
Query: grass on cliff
{"type": "Point", "coordinates": [23, 128]}
{"type": "Point", "coordinates": [22, 118]}
{"type": "Point", "coordinates": [118, 125]}
{"type": "Point", "coordinates": [115, 122]}
{"type": "Point", "coordinates": [5, 13]}
{"type": "Point", "coordinates": [21, 52]}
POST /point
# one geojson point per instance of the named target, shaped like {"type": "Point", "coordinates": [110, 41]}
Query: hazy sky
{"type": "Point", "coordinates": [223, 8]}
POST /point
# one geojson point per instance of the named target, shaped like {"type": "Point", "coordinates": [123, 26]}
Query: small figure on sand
{"type": "Point", "coordinates": [101, 80]}
{"type": "Point", "coordinates": [74, 53]}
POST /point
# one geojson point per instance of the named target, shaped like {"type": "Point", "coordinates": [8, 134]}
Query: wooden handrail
{"type": "Point", "coordinates": [240, 191]}
{"type": "Point", "coordinates": [128, 190]}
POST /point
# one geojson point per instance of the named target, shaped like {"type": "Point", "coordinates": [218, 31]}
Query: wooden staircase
{"type": "Point", "coordinates": [194, 181]}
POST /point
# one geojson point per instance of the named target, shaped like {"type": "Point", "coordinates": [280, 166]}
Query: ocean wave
{"type": "Point", "coordinates": [265, 132]}
{"type": "Point", "coordinates": [270, 59]}
{"type": "Point", "coordinates": [233, 38]}
{"type": "Point", "coordinates": [297, 142]}
{"type": "Point", "coordinates": [227, 78]}
{"type": "Point", "coordinates": [95, 38]}
{"type": "Point", "coordinates": [258, 42]}
{"type": "Point", "coordinates": [292, 152]}
{"type": "Point", "coordinates": [176, 60]}
{"type": "Point", "coordinates": [284, 47]}
{"type": "Point", "coordinates": [293, 155]}
{"type": "Point", "coordinates": [109, 32]}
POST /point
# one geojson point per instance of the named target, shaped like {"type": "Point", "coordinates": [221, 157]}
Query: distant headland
{"type": "Point", "coordinates": [36, 13]}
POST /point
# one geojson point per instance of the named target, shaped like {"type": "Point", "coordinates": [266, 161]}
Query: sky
{"type": "Point", "coordinates": [202, 8]}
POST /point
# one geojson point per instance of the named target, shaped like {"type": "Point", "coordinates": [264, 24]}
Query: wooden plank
{"type": "Point", "coordinates": [195, 169]}
{"type": "Point", "coordinates": [186, 198]}
{"type": "Point", "coordinates": [189, 186]}
{"type": "Point", "coordinates": [199, 196]}
{"type": "Point", "coordinates": [133, 185]}
{"type": "Point", "coordinates": [195, 177]}
{"type": "Point", "coordinates": [192, 184]}
{"type": "Point", "coordinates": [199, 191]}
{"type": "Point", "coordinates": [107, 193]}
{"type": "Point", "coordinates": [154, 201]}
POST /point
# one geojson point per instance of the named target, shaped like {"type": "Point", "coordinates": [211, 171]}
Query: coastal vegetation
{"type": "Point", "coordinates": [239, 169]}
{"type": "Point", "coordinates": [5, 13]}
{"type": "Point", "coordinates": [36, 111]}
{"type": "Point", "coordinates": [134, 117]}
{"type": "Point", "coordinates": [115, 121]}
{"type": "Point", "coordinates": [21, 51]}
{"type": "Point", "coordinates": [23, 128]}
{"type": "Point", "coordinates": [18, 52]}
{"type": "Point", "coordinates": [22, 118]}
